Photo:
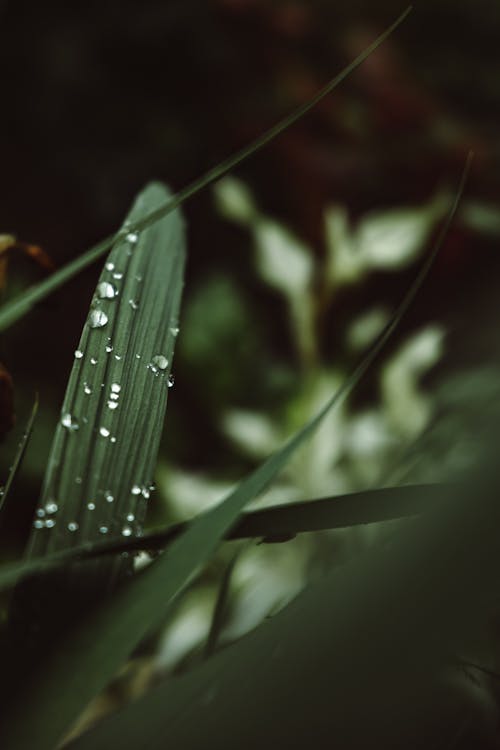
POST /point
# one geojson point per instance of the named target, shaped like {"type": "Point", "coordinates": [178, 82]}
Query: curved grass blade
{"type": "Point", "coordinates": [103, 457]}
{"type": "Point", "coordinates": [92, 652]}
{"type": "Point", "coordinates": [18, 458]}
{"type": "Point", "coordinates": [272, 524]}
{"type": "Point", "coordinates": [104, 452]}
{"type": "Point", "coordinates": [22, 304]}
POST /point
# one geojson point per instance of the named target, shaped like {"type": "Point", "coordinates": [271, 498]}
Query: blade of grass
{"type": "Point", "coordinates": [274, 523]}
{"type": "Point", "coordinates": [22, 304]}
{"type": "Point", "coordinates": [103, 456]}
{"type": "Point", "coordinates": [90, 655]}
{"type": "Point", "coordinates": [21, 449]}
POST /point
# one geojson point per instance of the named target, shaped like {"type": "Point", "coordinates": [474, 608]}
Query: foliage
{"type": "Point", "coordinates": [381, 608]}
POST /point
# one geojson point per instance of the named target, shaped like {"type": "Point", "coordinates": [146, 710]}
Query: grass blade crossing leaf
{"type": "Point", "coordinates": [89, 656]}
{"type": "Point", "coordinates": [274, 523]}
{"type": "Point", "coordinates": [375, 638]}
{"type": "Point", "coordinates": [22, 304]}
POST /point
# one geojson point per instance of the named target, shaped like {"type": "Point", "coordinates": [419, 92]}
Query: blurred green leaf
{"type": "Point", "coordinates": [375, 638]}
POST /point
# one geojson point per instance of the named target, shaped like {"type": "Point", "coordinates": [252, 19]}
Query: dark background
{"type": "Point", "coordinates": [98, 98]}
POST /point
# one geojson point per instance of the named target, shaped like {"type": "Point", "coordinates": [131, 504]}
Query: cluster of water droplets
{"type": "Point", "coordinates": [45, 516]}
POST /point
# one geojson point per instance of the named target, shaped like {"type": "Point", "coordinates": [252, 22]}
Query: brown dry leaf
{"type": "Point", "coordinates": [9, 243]}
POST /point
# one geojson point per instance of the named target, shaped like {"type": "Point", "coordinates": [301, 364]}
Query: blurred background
{"type": "Point", "coordinates": [295, 261]}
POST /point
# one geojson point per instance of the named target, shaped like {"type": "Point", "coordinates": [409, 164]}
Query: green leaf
{"type": "Point", "coordinates": [103, 456]}
{"type": "Point", "coordinates": [20, 306]}
{"type": "Point", "coordinates": [105, 447]}
{"type": "Point", "coordinates": [92, 652]}
{"type": "Point", "coordinates": [364, 657]}
{"type": "Point", "coordinates": [274, 524]}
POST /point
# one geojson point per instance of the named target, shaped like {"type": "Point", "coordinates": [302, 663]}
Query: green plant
{"type": "Point", "coordinates": [80, 608]}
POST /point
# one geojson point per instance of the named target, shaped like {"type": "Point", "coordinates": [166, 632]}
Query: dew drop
{"type": "Point", "coordinates": [93, 361]}
{"type": "Point", "coordinates": [126, 531]}
{"type": "Point", "coordinates": [171, 381]}
{"type": "Point", "coordinates": [118, 356]}
{"type": "Point", "coordinates": [72, 526]}
{"type": "Point", "coordinates": [105, 290]}
{"type": "Point", "coordinates": [97, 319]}
{"type": "Point", "coordinates": [51, 507]}
{"type": "Point", "coordinates": [109, 348]}
{"type": "Point", "coordinates": [118, 275]}
{"type": "Point", "coordinates": [133, 304]}
{"type": "Point", "coordinates": [103, 529]}
{"type": "Point", "coordinates": [174, 330]}
{"type": "Point", "coordinates": [50, 523]}
{"type": "Point", "coordinates": [114, 396]}
{"type": "Point", "coordinates": [160, 362]}
{"type": "Point", "coordinates": [132, 238]}
{"type": "Point", "coordinates": [136, 490]}
{"type": "Point", "coordinates": [40, 512]}
{"type": "Point", "coordinates": [110, 266]}
{"type": "Point", "coordinates": [145, 493]}
{"type": "Point", "coordinates": [130, 517]}
{"type": "Point", "coordinates": [109, 497]}
{"type": "Point", "coordinates": [69, 422]}
{"type": "Point", "coordinates": [113, 439]}
{"type": "Point", "coordinates": [137, 356]}
{"type": "Point", "coordinates": [112, 404]}
{"type": "Point", "coordinates": [78, 354]}
{"type": "Point", "coordinates": [78, 480]}
{"type": "Point", "coordinates": [115, 388]}
{"type": "Point", "coordinates": [38, 524]}
{"type": "Point", "coordinates": [91, 506]}
{"type": "Point", "coordinates": [104, 431]}
{"type": "Point", "coordinates": [87, 389]}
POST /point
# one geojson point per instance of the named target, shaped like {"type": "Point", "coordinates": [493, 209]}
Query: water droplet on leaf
{"type": "Point", "coordinates": [97, 319]}
{"type": "Point", "coordinates": [160, 362]}
{"type": "Point", "coordinates": [105, 290]}
{"type": "Point", "coordinates": [71, 423]}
